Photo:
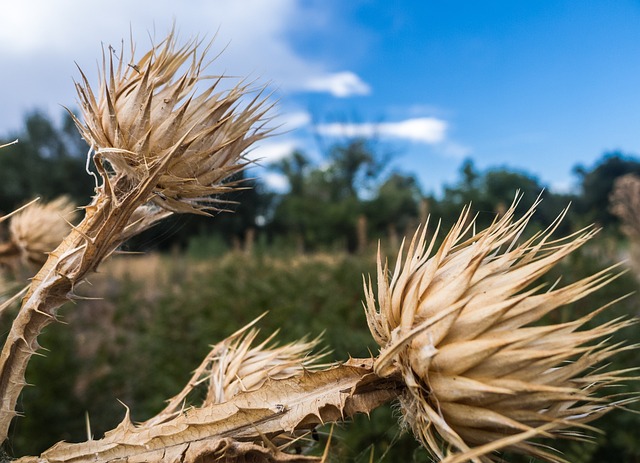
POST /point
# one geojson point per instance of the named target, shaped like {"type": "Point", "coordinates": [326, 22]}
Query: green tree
{"type": "Point", "coordinates": [395, 207]}
{"type": "Point", "coordinates": [295, 168]}
{"type": "Point", "coordinates": [491, 191]}
{"type": "Point", "coordinates": [352, 167]}
{"type": "Point", "coordinates": [323, 204]}
{"type": "Point", "coordinates": [48, 161]}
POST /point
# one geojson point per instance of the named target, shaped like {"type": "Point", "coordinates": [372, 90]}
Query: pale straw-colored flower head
{"type": "Point", "coordinates": [459, 327]}
{"type": "Point", "coordinates": [152, 121]}
{"type": "Point", "coordinates": [237, 365]}
{"type": "Point", "coordinates": [40, 227]}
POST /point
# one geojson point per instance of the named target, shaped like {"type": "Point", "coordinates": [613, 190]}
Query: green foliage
{"type": "Point", "coordinates": [491, 192]}
{"type": "Point", "coordinates": [325, 203]}
{"type": "Point", "coordinates": [53, 401]}
{"type": "Point", "coordinates": [395, 205]}
{"type": "Point", "coordinates": [322, 204]}
{"type": "Point", "coordinates": [597, 183]}
{"type": "Point", "coordinates": [48, 161]}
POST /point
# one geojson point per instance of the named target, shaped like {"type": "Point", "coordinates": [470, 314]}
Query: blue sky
{"type": "Point", "coordinates": [538, 86]}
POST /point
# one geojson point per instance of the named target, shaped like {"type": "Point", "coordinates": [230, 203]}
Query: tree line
{"type": "Point", "coordinates": [352, 199]}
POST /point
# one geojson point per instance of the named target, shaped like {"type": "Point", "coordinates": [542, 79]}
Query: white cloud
{"type": "Point", "coordinates": [293, 120]}
{"type": "Point", "coordinates": [41, 25]}
{"type": "Point", "coordinates": [339, 84]}
{"type": "Point", "coordinates": [268, 152]}
{"type": "Point", "coordinates": [427, 130]}
{"type": "Point", "coordinates": [275, 182]}
{"type": "Point", "coordinates": [40, 40]}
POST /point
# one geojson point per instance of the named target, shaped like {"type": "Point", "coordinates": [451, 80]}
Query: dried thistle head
{"type": "Point", "coordinates": [39, 228]}
{"type": "Point", "coordinates": [236, 365]}
{"type": "Point", "coordinates": [458, 327]}
{"type": "Point", "coordinates": [625, 203]}
{"type": "Point", "coordinates": [152, 123]}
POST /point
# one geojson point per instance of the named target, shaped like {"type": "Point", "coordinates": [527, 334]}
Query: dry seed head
{"type": "Point", "coordinates": [236, 365]}
{"type": "Point", "coordinates": [625, 203]}
{"type": "Point", "coordinates": [457, 326]}
{"type": "Point", "coordinates": [152, 119]}
{"type": "Point", "coordinates": [41, 227]}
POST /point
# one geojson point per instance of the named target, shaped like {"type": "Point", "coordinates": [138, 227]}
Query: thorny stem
{"type": "Point", "coordinates": [263, 421]}
{"type": "Point", "coordinates": [96, 237]}
{"type": "Point", "coordinates": [49, 289]}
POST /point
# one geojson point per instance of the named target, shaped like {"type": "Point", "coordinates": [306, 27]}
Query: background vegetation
{"type": "Point", "coordinates": [301, 255]}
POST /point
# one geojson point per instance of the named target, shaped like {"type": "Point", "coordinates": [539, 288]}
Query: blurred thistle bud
{"type": "Point", "coordinates": [624, 202]}
{"type": "Point", "coordinates": [459, 327]}
{"type": "Point", "coordinates": [39, 228]}
{"type": "Point", "coordinates": [235, 365]}
{"type": "Point", "coordinates": [154, 126]}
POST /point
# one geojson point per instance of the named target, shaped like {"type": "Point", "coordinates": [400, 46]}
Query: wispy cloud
{"type": "Point", "coordinates": [293, 120]}
{"type": "Point", "coordinates": [275, 181]}
{"type": "Point", "coordinates": [428, 130]}
{"type": "Point", "coordinates": [269, 152]}
{"type": "Point", "coordinates": [339, 84]}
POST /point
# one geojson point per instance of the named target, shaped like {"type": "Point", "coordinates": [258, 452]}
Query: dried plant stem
{"type": "Point", "coordinates": [96, 237]}
{"type": "Point", "coordinates": [260, 422]}
{"type": "Point", "coordinates": [160, 146]}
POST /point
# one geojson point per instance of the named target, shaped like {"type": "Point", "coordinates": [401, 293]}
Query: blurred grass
{"type": "Point", "coordinates": [160, 313]}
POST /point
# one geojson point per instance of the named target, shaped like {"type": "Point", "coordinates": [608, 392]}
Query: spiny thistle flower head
{"type": "Point", "coordinates": [151, 121]}
{"type": "Point", "coordinates": [459, 327]}
{"type": "Point", "coordinates": [39, 228]}
{"type": "Point", "coordinates": [237, 365]}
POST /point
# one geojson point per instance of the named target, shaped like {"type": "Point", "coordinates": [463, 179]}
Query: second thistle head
{"type": "Point", "coordinates": [38, 228]}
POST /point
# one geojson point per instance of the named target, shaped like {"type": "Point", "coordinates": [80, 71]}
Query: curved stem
{"type": "Point", "coordinates": [261, 422]}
